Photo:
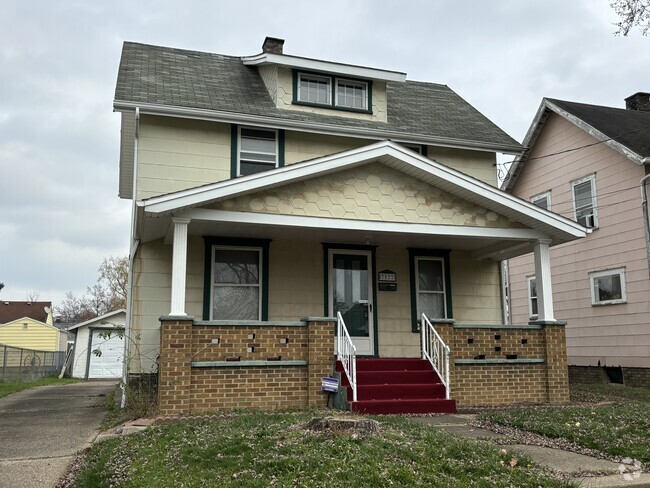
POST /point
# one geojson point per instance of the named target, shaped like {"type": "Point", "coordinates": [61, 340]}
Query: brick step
{"type": "Point", "coordinates": [423, 391]}
{"type": "Point", "coordinates": [387, 407]}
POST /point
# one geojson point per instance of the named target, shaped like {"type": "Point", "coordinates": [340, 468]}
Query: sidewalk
{"type": "Point", "coordinates": [591, 472]}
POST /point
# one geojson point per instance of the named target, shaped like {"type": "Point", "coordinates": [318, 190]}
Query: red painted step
{"type": "Point", "coordinates": [397, 385]}
{"type": "Point", "coordinates": [387, 407]}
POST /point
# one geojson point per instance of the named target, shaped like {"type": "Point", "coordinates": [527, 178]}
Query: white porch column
{"type": "Point", "coordinates": [179, 266]}
{"type": "Point", "coordinates": [543, 281]}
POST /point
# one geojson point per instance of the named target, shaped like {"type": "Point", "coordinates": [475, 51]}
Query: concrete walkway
{"type": "Point", "coordinates": [589, 471]}
{"type": "Point", "coordinates": [42, 428]}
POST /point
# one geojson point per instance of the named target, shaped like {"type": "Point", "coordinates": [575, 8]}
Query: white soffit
{"type": "Point", "coordinates": [323, 66]}
{"type": "Point", "coordinates": [392, 155]}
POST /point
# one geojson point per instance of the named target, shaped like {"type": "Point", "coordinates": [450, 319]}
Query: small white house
{"type": "Point", "coordinates": [92, 335]}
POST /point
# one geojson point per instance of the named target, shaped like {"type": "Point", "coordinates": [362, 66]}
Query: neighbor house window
{"type": "Point", "coordinates": [608, 287]}
{"type": "Point", "coordinates": [584, 201]}
{"type": "Point", "coordinates": [258, 150]}
{"type": "Point", "coordinates": [332, 92]}
{"type": "Point", "coordinates": [430, 293]}
{"type": "Point", "coordinates": [236, 283]}
{"type": "Point", "coordinates": [543, 200]}
{"type": "Point", "coordinates": [532, 296]}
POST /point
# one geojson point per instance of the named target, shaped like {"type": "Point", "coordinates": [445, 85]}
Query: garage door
{"type": "Point", "coordinates": [109, 363]}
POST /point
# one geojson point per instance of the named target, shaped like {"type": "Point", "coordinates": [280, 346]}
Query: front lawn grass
{"type": "Point", "coordinates": [613, 419]}
{"type": "Point", "coordinates": [15, 386]}
{"type": "Point", "coordinates": [274, 449]}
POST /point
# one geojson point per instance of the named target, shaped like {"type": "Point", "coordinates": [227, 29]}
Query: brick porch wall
{"type": "Point", "coordinates": [501, 365]}
{"type": "Point", "coordinates": [280, 364]}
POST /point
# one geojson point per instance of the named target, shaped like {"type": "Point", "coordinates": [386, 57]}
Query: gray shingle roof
{"type": "Point", "coordinates": [191, 79]}
{"type": "Point", "coordinates": [628, 127]}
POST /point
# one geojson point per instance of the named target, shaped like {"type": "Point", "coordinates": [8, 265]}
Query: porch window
{"type": "Point", "coordinates": [532, 296]}
{"type": "Point", "coordinates": [608, 287]}
{"type": "Point", "coordinates": [236, 283]}
{"type": "Point", "coordinates": [584, 201]}
{"type": "Point", "coordinates": [430, 293]}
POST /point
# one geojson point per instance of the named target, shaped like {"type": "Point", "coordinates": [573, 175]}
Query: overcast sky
{"type": "Point", "coordinates": [58, 64]}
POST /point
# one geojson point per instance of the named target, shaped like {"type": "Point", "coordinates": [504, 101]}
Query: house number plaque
{"type": "Point", "coordinates": [387, 280]}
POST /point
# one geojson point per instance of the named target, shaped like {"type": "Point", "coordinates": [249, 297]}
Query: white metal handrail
{"type": "Point", "coordinates": [346, 352]}
{"type": "Point", "coordinates": [436, 351]}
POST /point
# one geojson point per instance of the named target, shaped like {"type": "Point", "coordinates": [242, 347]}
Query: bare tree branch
{"type": "Point", "coordinates": [633, 13]}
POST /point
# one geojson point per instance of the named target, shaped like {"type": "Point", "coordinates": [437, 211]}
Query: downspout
{"type": "Point", "coordinates": [133, 249]}
{"type": "Point", "coordinates": [646, 222]}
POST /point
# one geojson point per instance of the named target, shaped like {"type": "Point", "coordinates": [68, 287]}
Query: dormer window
{"type": "Point", "coordinates": [319, 90]}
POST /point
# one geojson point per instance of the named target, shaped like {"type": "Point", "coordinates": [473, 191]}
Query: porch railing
{"type": "Point", "coordinates": [346, 352]}
{"type": "Point", "coordinates": [436, 351]}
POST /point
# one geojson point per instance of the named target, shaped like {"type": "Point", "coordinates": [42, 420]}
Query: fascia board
{"type": "Point", "coordinates": [481, 193]}
{"type": "Point", "coordinates": [97, 319]}
{"type": "Point", "coordinates": [314, 127]}
{"type": "Point", "coordinates": [229, 216]}
{"type": "Point", "coordinates": [324, 66]}
{"type": "Point", "coordinates": [595, 133]}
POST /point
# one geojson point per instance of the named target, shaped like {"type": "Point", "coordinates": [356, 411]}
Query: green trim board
{"type": "Point", "coordinates": [332, 105]}
{"type": "Point", "coordinates": [233, 150]}
{"type": "Point", "coordinates": [438, 253]}
{"type": "Point", "coordinates": [211, 241]}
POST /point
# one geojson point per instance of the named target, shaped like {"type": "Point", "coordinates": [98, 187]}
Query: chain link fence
{"type": "Point", "coordinates": [18, 364]}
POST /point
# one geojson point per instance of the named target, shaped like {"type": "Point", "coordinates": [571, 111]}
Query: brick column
{"type": "Point", "coordinates": [557, 371]}
{"type": "Point", "coordinates": [175, 365]}
{"type": "Point", "coordinates": [320, 358]}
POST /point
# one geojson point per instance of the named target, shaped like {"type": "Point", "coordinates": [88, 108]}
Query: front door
{"type": "Point", "coordinates": [350, 282]}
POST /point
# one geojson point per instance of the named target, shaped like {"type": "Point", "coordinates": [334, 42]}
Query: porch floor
{"type": "Point", "coordinates": [395, 386]}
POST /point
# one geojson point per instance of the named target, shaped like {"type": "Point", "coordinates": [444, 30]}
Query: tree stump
{"type": "Point", "coordinates": [352, 425]}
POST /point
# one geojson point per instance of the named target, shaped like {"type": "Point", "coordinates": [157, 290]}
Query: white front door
{"type": "Point", "coordinates": [350, 292]}
{"type": "Point", "coordinates": [109, 363]}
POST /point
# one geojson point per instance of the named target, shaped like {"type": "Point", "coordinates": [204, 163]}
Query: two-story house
{"type": "Point", "coordinates": [296, 218]}
{"type": "Point", "coordinates": [587, 163]}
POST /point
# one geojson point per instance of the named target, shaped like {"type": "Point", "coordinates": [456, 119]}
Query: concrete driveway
{"type": "Point", "coordinates": [42, 428]}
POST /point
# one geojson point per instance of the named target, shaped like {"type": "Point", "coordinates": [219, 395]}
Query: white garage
{"type": "Point", "coordinates": [99, 347]}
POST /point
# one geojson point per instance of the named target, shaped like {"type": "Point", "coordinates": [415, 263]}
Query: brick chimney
{"type": "Point", "coordinates": [272, 45]}
{"type": "Point", "coordinates": [638, 101]}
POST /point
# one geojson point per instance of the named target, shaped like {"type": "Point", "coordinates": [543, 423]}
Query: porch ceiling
{"type": "Point", "coordinates": [484, 243]}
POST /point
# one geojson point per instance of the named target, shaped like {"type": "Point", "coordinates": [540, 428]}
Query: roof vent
{"type": "Point", "coordinates": [272, 45]}
{"type": "Point", "coordinates": [639, 101]}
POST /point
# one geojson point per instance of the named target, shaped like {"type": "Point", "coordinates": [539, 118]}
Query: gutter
{"type": "Point", "coordinates": [646, 222]}
{"type": "Point", "coordinates": [305, 126]}
{"type": "Point", "coordinates": [132, 252]}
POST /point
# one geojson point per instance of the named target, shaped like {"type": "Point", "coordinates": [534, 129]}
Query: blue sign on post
{"type": "Point", "coordinates": [330, 384]}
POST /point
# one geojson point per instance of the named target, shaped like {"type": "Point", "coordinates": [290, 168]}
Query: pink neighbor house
{"type": "Point", "coordinates": [588, 163]}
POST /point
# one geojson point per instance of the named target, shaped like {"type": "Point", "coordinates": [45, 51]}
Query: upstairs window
{"type": "Point", "coordinates": [314, 89]}
{"type": "Point", "coordinates": [258, 151]}
{"type": "Point", "coordinates": [584, 201]}
{"type": "Point", "coordinates": [332, 92]}
{"type": "Point", "coordinates": [543, 200]}
{"type": "Point", "coordinates": [352, 94]}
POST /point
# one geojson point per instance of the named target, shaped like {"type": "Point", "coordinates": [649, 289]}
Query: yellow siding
{"type": "Point", "coordinates": [176, 154]}
{"type": "Point", "coordinates": [475, 290]}
{"type": "Point", "coordinates": [478, 164]}
{"type": "Point", "coordinates": [371, 192]}
{"type": "Point", "coordinates": [302, 146]}
{"type": "Point", "coordinates": [36, 335]}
